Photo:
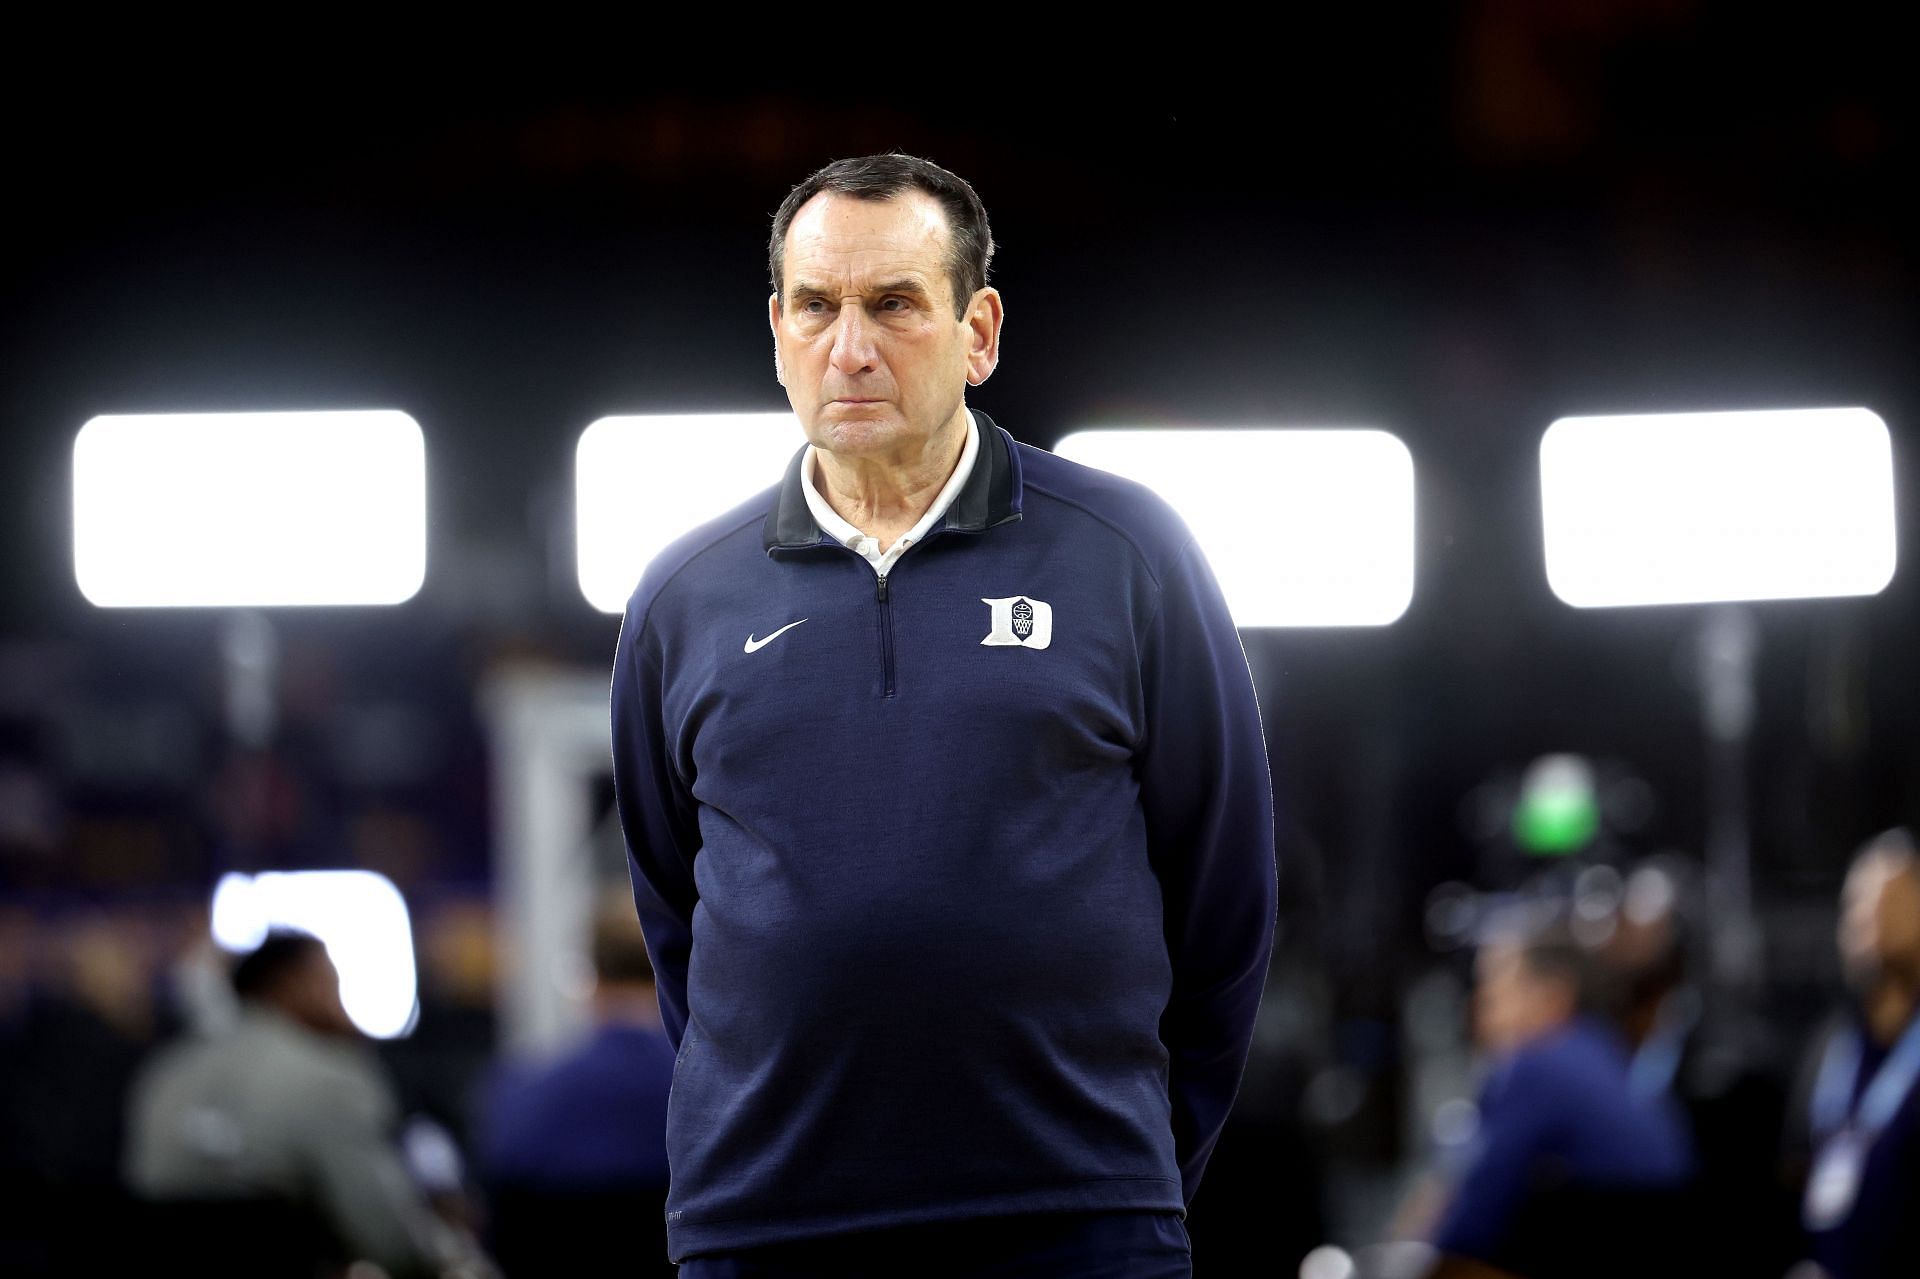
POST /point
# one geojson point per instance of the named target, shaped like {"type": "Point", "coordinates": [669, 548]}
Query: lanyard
{"type": "Point", "coordinates": [1881, 1101]}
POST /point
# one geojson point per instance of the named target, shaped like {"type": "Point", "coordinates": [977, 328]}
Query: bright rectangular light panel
{"type": "Point", "coordinates": [1301, 527]}
{"type": "Point", "coordinates": [249, 509]}
{"type": "Point", "coordinates": [1680, 508]}
{"type": "Point", "coordinates": [360, 916]}
{"type": "Point", "coordinates": [642, 481]}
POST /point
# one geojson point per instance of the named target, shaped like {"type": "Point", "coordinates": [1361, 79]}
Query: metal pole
{"type": "Point", "coordinates": [549, 737]}
{"type": "Point", "coordinates": [250, 687]}
{"type": "Point", "coordinates": [1728, 647]}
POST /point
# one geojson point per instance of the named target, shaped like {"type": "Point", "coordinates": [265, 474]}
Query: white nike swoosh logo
{"type": "Point", "coordinates": [754, 645]}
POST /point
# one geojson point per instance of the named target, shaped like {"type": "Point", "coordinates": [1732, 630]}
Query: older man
{"type": "Point", "coordinates": [947, 805]}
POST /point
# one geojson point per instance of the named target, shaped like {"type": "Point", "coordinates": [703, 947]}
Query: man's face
{"type": "Point", "coordinates": [1880, 922]}
{"type": "Point", "coordinates": [865, 339]}
{"type": "Point", "coordinates": [313, 996]}
{"type": "Point", "coordinates": [1513, 1005]}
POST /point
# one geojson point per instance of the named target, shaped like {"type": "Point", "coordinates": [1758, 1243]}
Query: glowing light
{"type": "Point", "coordinates": [249, 509]}
{"type": "Point", "coordinates": [1327, 1262]}
{"type": "Point", "coordinates": [1650, 894]}
{"type": "Point", "coordinates": [1697, 507]}
{"type": "Point", "coordinates": [360, 916]}
{"type": "Point", "coordinates": [1558, 812]}
{"type": "Point", "coordinates": [640, 482]}
{"type": "Point", "coordinates": [1301, 527]}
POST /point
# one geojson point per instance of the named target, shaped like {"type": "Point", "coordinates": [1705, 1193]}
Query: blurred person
{"type": "Point", "coordinates": [289, 1106]}
{"type": "Point", "coordinates": [1717, 1064]}
{"type": "Point", "coordinates": [1563, 1148]}
{"type": "Point", "coordinates": [573, 1152]}
{"type": "Point", "coordinates": [958, 875]}
{"type": "Point", "coordinates": [1859, 1122]}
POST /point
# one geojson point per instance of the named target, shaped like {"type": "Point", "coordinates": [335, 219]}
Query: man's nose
{"type": "Point", "coordinates": [853, 348]}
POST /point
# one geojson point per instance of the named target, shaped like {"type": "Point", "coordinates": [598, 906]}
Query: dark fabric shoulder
{"type": "Point", "coordinates": [735, 532]}
{"type": "Point", "coordinates": [1130, 509]}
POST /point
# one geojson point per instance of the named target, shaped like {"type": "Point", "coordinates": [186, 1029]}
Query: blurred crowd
{"type": "Point", "coordinates": [1635, 1115]}
{"type": "Point", "coordinates": [1629, 1113]}
{"type": "Point", "coordinates": [164, 1104]}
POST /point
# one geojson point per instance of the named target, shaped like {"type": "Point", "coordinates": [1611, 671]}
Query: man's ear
{"type": "Point", "coordinates": [773, 323]}
{"type": "Point", "coordinates": [983, 321]}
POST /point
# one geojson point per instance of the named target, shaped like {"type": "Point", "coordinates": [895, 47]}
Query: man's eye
{"type": "Point", "coordinates": [893, 304]}
{"type": "Point", "coordinates": [814, 306]}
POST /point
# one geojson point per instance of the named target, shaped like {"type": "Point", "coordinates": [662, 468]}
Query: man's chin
{"type": "Point", "coordinates": [855, 434]}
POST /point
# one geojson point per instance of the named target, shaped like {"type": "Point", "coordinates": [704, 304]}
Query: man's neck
{"type": "Point", "coordinates": [279, 1015]}
{"type": "Point", "coordinates": [883, 497]}
{"type": "Point", "coordinates": [1889, 1010]}
{"type": "Point", "coordinates": [1640, 1020]}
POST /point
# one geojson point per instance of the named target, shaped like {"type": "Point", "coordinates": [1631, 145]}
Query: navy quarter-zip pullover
{"type": "Point", "coordinates": [959, 883]}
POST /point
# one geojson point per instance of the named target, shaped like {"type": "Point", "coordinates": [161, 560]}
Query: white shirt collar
{"type": "Point", "coordinates": [847, 535]}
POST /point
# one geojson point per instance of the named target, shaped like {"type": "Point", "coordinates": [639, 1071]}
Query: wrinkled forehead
{"type": "Point", "coordinates": [842, 240]}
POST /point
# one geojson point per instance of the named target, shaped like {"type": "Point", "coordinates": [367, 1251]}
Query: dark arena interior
{"type": "Point", "coordinates": [1599, 797]}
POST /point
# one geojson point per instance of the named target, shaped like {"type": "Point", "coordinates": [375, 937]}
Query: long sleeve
{"type": "Point", "coordinates": [1208, 800]}
{"type": "Point", "coordinates": [657, 816]}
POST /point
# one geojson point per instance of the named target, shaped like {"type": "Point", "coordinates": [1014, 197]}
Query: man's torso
{"type": "Point", "coordinates": [928, 965]}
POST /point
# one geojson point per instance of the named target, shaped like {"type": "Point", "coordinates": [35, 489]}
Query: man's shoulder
{"type": "Point", "coordinates": [277, 1061]}
{"type": "Point", "coordinates": [175, 1064]}
{"type": "Point", "coordinates": [1130, 510]}
{"type": "Point", "coordinates": [612, 1060]}
{"type": "Point", "coordinates": [732, 536]}
{"type": "Point", "coordinates": [1578, 1073]}
{"type": "Point", "coordinates": [1579, 1048]}
{"type": "Point", "coordinates": [326, 1072]}
{"type": "Point", "coordinates": [516, 1085]}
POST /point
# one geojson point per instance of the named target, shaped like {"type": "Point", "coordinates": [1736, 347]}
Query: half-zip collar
{"type": "Point", "coordinates": [847, 535]}
{"type": "Point", "coordinates": [990, 496]}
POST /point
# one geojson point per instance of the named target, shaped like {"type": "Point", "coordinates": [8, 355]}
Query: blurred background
{"type": "Point", "coordinates": [1457, 225]}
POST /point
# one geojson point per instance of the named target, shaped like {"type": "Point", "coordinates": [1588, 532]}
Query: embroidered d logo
{"type": "Point", "coordinates": [1020, 620]}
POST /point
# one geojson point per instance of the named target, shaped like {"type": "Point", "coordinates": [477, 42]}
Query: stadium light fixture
{"type": "Point", "coordinates": [1301, 527]}
{"type": "Point", "coordinates": [360, 916]}
{"type": "Point", "coordinates": [1689, 508]}
{"type": "Point", "coordinates": [641, 481]}
{"type": "Point", "coordinates": [249, 509]}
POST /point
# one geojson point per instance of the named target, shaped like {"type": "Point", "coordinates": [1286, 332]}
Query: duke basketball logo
{"type": "Point", "coordinates": [1020, 620]}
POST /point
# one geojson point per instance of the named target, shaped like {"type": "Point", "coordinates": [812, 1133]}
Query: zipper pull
{"type": "Point", "coordinates": [882, 588]}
